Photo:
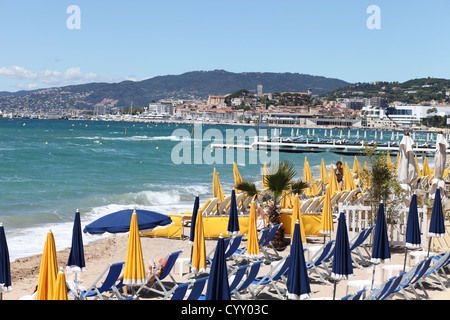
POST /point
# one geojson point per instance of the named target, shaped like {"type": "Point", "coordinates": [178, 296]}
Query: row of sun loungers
{"type": "Point", "coordinates": [246, 282]}
{"type": "Point", "coordinates": [431, 271]}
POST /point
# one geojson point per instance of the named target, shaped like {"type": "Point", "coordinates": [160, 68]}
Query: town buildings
{"type": "Point", "coordinates": [286, 108]}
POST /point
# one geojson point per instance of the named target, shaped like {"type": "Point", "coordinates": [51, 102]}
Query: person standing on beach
{"type": "Point", "coordinates": [339, 171]}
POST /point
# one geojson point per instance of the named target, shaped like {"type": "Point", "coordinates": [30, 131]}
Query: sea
{"type": "Point", "coordinates": [51, 168]}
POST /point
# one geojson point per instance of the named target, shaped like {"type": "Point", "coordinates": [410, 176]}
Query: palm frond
{"type": "Point", "coordinates": [280, 180]}
{"type": "Point", "coordinates": [288, 166]}
{"type": "Point", "coordinates": [248, 187]}
{"type": "Point", "coordinates": [298, 186]}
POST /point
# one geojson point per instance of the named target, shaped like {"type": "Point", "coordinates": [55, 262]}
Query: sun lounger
{"type": "Point", "coordinates": [210, 207]}
{"type": "Point", "coordinates": [321, 260]}
{"type": "Point", "coordinates": [108, 288]}
{"type": "Point", "coordinates": [348, 197]}
{"type": "Point", "coordinates": [359, 295]}
{"type": "Point", "coordinates": [221, 208]}
{"type": "Point", "coordinates": [206, 209]}
{"type": "Point", "coordinates": [358, 242]}
{"type": "Point", "coordinates": [190, 290]}
{"type": "Point", "coordinates": [231, 246]}
{"type": "Point", "coordinates": [252, 274]}
{"type": "Point", "coordinates": [239, 198]}
{"type": "Point", "coordinates": [149, 284]}
{"type": "Point", "coordinates": [312, 206]}
{"type": "Point", "coordinates": [234, 245]}
{"type": "Point", "coordinates": [239, 253]}
{"type": "Point", "coordinates": [268, 242]}
{"type": "Point", "coordinates": [271, 281]}
{"type": "Point", "coordinates": [360, 200]}
{"type": "Point", "coordinates": [319, 206]}
{"type": "Point", "coordinates": [245, 205]}
{"type": "Point", "coordinates": [235, 277]}
{"type": "Point", "coordinates": [411, 278]}
{"type": "Point", "coordinates": [263, 195]}
{"type": "Point", "coordinates": [238, 279]}
{"type": "Point", "coordinates": [305, 205]}
{"type": "Point", "coordinates": [343, 197]}
{"type": "Point", "coordinates": [386, 288]}
{"type": "Point", "coordinates": [435, 273]}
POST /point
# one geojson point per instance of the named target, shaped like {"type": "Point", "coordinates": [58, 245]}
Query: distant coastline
{"type": "Point", "coordinates": [251, 124]}
{"type": "Point", "coordinates": [271, 125]}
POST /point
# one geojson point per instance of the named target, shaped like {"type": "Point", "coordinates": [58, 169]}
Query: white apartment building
{"type": "Point", "coordinates": [404, 115]}
{"type": "Point", "coordinates": [159, 110]}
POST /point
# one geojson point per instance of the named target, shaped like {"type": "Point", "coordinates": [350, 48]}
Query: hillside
{"type": "Point", "coordinates": [190, 85]}
{"type": "Point", "coordinates": [412, 91]}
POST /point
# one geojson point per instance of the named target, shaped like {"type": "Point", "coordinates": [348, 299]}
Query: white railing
{"type": "Point", "coordinates": [359, 217]}
{"type": "Point", "coordinates": [397, 231]}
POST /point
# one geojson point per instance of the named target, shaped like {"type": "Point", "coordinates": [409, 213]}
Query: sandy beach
{"type": "Point", "coordinates": [98, 254]}
{"type": "Point", "coordinates": [25, 271]}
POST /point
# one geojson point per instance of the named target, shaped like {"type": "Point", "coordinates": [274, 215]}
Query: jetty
{"type": "Point", "coordinates": [338, 146]}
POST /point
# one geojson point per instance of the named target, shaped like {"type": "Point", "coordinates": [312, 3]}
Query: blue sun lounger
{"type": "Point", "coordinates": [108, 288]}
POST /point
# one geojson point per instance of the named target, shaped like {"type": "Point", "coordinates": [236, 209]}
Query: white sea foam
{"type": "Point", "coordinates": [129, 138]}
{"type": "Point", "coordinates": [25, 242]}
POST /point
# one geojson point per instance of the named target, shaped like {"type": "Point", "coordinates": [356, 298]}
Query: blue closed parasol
{"type": "Point", "coordinates": [297, 281]}
{"type": "Point", "coordinates": [5, 271]}
{"type": "Point", "coordinates": [194, 218]}
{"type": "Point", "coordinates": [76, 261]}
{"type": "Point", "coordinates": [119, 222]}
{"type": "Point", "coordinates": [437, 224]}
{"type": "Point", "coordinates": [413, 236]}
{"type": "Point", "coordinates": [342, 268]}
{"type": "Point", "coordinates": [218, 287]}
{"type": "Point", "coordinates": [233, 221]}
{"type": "Point", "coordinates": [381, 253]}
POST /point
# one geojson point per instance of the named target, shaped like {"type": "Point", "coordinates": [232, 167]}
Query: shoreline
{"type": "Point", "coordinates": [270, 125]}
{"type": "Point", "coordinates": [273, 125]}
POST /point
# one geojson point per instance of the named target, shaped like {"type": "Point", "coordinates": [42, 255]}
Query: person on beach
{"type": "Point", "coordinates": [151, 270]}
{"type": "Point", "coordinates": [31, 296]}
{"type": "Point", "coordinates": [158, 272]}
{"type": "Point", "coordinates": [260, 219]}
{"type": "Point", "coordinates": [339, 171]}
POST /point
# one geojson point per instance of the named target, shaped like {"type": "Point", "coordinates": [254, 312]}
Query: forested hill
{"type": "Point", "coordinates": [412, 91]}
{"type": "Point", "coordinates": [190, 85]}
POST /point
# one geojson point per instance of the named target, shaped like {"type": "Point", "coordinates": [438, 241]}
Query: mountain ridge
{"type": "Point", "coordinates": [186, 86]}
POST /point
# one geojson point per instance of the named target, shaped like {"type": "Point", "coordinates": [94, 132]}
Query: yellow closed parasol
{"type": "Point", "coordinates": [48, 270]}
{"type": "Point", "coordinates": [327, 227]}
{"type": "Point", "coordinates": [297, 215]}
{"type": "Point", "coordinates": [198, 258]}
{"type": "Point", "coordinates": [252, 238]}
{"type": "Point", "coordinates": [134, 271]}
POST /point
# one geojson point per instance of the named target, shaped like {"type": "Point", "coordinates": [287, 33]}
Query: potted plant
{"type": "Point", "coordinates": [384, 187]}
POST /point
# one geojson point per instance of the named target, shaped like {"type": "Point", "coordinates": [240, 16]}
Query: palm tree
{"type": "Point", "coordinates": [280, 180]}
{"type": "Point", "coordinates": [277, 181]}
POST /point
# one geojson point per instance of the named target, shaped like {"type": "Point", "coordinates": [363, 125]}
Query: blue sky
{"type": "Point", "coordinates": [138, 39]}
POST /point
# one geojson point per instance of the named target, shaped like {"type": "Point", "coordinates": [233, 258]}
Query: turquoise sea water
{"type": "Point", "coordinates": [50, 168]}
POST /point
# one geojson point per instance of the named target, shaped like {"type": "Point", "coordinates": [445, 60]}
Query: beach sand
{"type": "Point", "coordinates": [98, 254]}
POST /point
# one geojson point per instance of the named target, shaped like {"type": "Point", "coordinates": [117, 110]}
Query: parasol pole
{"type": "Point", "coordinates": [334, 290]}
{"type": "Point", "coordinates": [373, 276]}
{"type": "Point", "coordinates": [429, 246]}
{"type": "Point", "coordinates": [404, 262]}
